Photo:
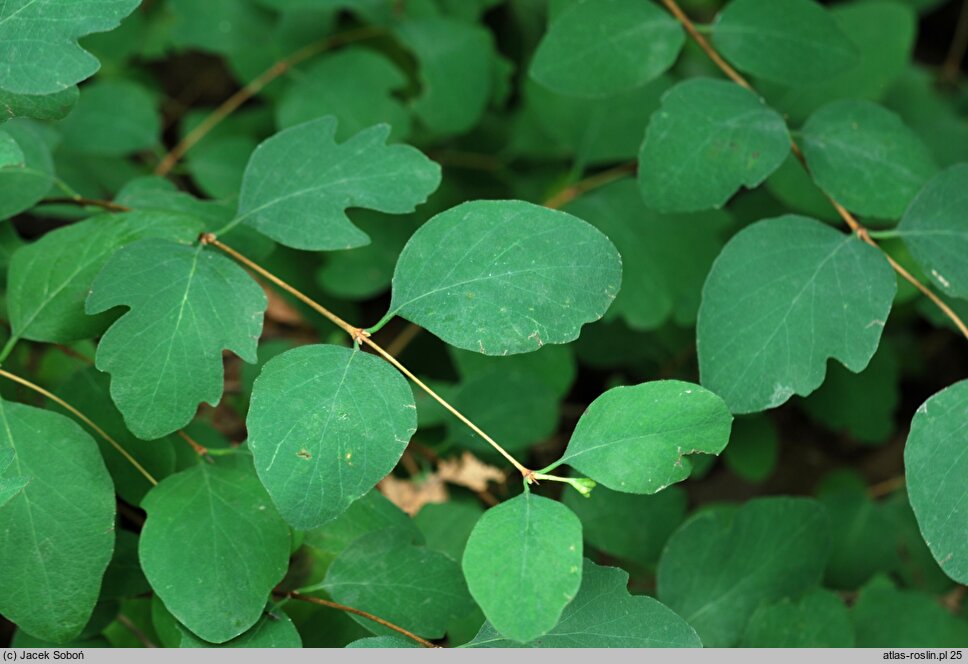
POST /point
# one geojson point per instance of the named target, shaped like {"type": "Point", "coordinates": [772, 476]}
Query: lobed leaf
{"type": "Point", "coordinates": [505, 277]}
{"type": "Point", "coordinates": [165, 354]}
{"type": "Point", "coordinates": [707, 140]}
{"type": "Point", "coordinates": [39, 53]}
{"type": "Point", "coordinates": [49, 279]}
{"type": "Point", "coordinates": [325, 424]}
{"type": "Point", "coordinates": [785, 295]}
{"type": "Point", "coordinates": [300, 181]}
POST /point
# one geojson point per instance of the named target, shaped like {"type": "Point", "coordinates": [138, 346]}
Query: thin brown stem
{"type": "Point", "coordinates": [369, 616]}
{"type": "Point", "coordinates": [595, 181]}
{"type": "Point", "coordinates": [361, 336]}
{"type": "Point", "coordinates": [200, 449]}
{"type": "Point", "coordinates": [886, 487]}
{"type": "Point", "coordinates": [704, 44]}
{"type": "Point", "coordinates": [136, 631]}
{"type": "Point", "coordinates": [402, 340]}
{"type": "Point", "coordinates": [255, 86]}
{"type": "Point", "coordinates": [88, 202]}
{"type": "Point", "coordinates": [855, 226]}
{"type": "Point", "coordinates": [959, 44]}
{"type": "Point", "coordinates": [83, 418]}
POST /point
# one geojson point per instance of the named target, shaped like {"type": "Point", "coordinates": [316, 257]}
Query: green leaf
{"type": "Point", "coordinates": [39, 53]}
{"type": "Point", "coordinates": [58, 531]}
{"type": "Point", "coordinates": [789, 41]}
{"type": "Point", "coordinates": [49, 279]}
{"type": "Point", "coordinates": [505, 277]}
{"type": "Point", "coordinates": [935, 464]}
{"type": "Point", "coordinates": [753, 448]}
{"type": "Point", "coordinates": [456, 68]}
{"type": "Point", "coordinates": [88, 391]}
{"type": "Point", "coordinates": [411, 586]}
{"type": "Point", "coordinates": [819, 619]}
{"type": "Point", "coordinates": [720, 565]}
{"type": "Point", "coordinates": [10, 152]}
{"type": "Point", "coordinates": [859, 548]}
{"type": "Point", "coordinates": [607, 517]}
{"type": "Point", "coordinates": [665, 257]}
{"type": "Point", "coordinates": [112, 118]}
{"type": "Point", "coordinates": [24, 183]}
{"type": "Point", "coordinates": [597, 131]}
{"type": "Point", "coordinates": [636, 439]}
{"type": "Point", "coordinates": [529, 418]}
{"type": "Point", "coordinates": [365, 272]}
{"type": "Point", "coordinates": [883, 34]}
{"type": "Point", "coordinates": [358, 101]}
{"type": "Point", "coordinates": [217, 26]}
{"type": "Point", "coordinates": [605, 615]}
{"type": "Point", "coordinates": [633, 43]}
{"type": "Point", "coordinates": [326, 423]}
{"type": "Point", "coordinates": [213, 548]}
{"type": "Point", "coordinates": [40, 107]}
{"type": "Point", "coordinates": [447, 526]}
{"type": "Point", "coordinates": [707, 140]}
{"type": "Point", "coordinates": [885, 617]}
{"type": "Point", "coordinates": [369, 514]}
{"type": "Point", "coordinates": [785, 295]}
{"type": "Point", "coordinates": [383, 642]}
{"type": "Point", "coordinates": [864, 158]}
{"type": "Point", "coordinates": [165, 353]}
{"type": "Point", "coordinates": [523, 564]}
{"type": "Point", "coordinates": [299, 183]}
{"type": "Point", "coordinates": [9, 486]}
{"type": "Point", "coordinates": [935, 229]}
{"type": "Point", "coordinates": [218, 165]}
{"type": "Point", "coordinates": [555, 366]}
{"type": "Point", "coordinates": [863, 404]}
{"type": "Point", "coordinates": [273, 630]}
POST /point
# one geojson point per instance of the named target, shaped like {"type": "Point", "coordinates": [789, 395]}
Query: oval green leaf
{"type": "Point", "coordinates": [935, 466]}
{"type": "Point", "coordinates": [636, 439]}
{"type": "Point", "coordinates": [865, 158]}
{"type": "Point", "coordinates": [633, 43]}
{"type": "Point", "coordinates": [505, 277]}
{"type": "Point", "coordinates": [213, 548]}
{"type": "Point", "coordinates": [523, 564]}
{"type": "Point", "coordinates": [722, 564]}
{"type": "Point", "coordinates": [935, 229]}
{"type": "Point", "coordinates": [326, 423]}
{"type": "Point", "coordinates": [788, 41]}
{"type": "Point", "coordinates": [58, 530]}
{"type": "Point", "coordinates": [605, 615]}
{"type": "Point", "coordinates": [411, 586]}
